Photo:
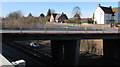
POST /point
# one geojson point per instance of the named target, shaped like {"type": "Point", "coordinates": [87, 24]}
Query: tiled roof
{"type": "Point", "coordinates": [107, 10]}
{"type": "Point", "coordinates": [87, 18]}
{"type": "Point", "coordinates": [75, 18]}
{"type": "Point", "coordinates": [57, 16]}
{"type": "Point", "coordinates": [54, 14]}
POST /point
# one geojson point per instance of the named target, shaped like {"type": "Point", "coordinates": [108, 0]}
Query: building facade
{"type": "Point", "coordinates": [103, 15]}
{"type": "Point", "coordinates": [58, 17]}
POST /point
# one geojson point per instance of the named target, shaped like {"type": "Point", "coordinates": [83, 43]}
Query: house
{"type": "Point", "coordinates": [86, 18]}
{"type": "Point", "coordinates": [55, 17]}
{"type": "Point", "coordinates": [75, 18]}
{"type": "Point", "coordinates": [103, 15]}
{"type": "Point", "coordinates": [116, 14]}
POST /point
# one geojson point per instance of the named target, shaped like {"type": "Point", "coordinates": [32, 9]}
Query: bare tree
{"type": "Point", "coordinates": [15, 14]}
{"type": "Point", "coordinates": [76, 12]}
{"type": "Point", "coordinates": [42, 15]}
{"type": "Point", "coordinates": [52, 11]}
{"type": "Point", "coordinates": [30, 15]}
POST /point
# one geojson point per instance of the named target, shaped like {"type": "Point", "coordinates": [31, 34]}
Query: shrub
{"type": "Point", "coordinates": [84, 21]}
{"type": "Point", "coordinates": [90, 21]}
{"type": "Point", "coordinates": [88, 46]}
{"type": "Point", "coordinates": [79, 21]}
{"type": "Point", "coordinates": [70, 21]}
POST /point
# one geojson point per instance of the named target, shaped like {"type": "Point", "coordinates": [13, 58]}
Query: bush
{"type": "Point", "coordinates": [79, 21]}
{"type": "Point", "coordinates": [90, 21]}
{"type": "Point", "coordinates": [84, 21]}
{"type": "Point", "coordinates": [88, 46]}
{"type": "Point", "coordinates": [70, 21]}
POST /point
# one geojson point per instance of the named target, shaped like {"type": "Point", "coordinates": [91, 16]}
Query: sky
{"type": "Point", "coordinates": [60, 0]}
{"type": "Point", "coordinates": [36, 8]}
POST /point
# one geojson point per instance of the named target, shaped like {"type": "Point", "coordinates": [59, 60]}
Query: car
{"type": "Point", "coordinates": [34, 44]}
{"type": "Point", "coordinates": [19, 63]}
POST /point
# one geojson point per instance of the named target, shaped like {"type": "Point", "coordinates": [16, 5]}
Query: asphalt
{"type": "Point", "coordinates": [13, 55]}
{"type": "Point", "coordinates": [85, 59]}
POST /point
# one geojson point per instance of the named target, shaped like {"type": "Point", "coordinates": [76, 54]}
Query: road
{"type": "Point", "coordinates": [84, 59]}
{"type": "Point", "coordinates": [13, 55]}
{"type": "Point", "coordinates": [44, 48]}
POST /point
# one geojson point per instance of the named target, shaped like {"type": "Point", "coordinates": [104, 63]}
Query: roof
{"type": "Point", "coordinates": [87, 18]}
{"type": "Point", "coordinates": [115, 9]}
{"type": "Point", "coordinates": [54, 15]}
{"type": "Point", "coordinates": [75, 18]}
{"type": "Point", "coordinates": [107, 10]}
{"type": "Point", "coordinates": [57, 16]}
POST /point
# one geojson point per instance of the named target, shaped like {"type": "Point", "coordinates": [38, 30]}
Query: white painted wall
{"type": "Point", "coordinates": [99, 16]}
{"type": "Point", "coordinates": [51, 18]}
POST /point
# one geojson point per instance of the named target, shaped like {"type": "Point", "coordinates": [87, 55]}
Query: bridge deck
{"type": "Point", "coordinates": [59, 36]}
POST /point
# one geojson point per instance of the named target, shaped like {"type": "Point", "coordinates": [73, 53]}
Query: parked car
{"type": "Point", "coordinates": [34, 44]}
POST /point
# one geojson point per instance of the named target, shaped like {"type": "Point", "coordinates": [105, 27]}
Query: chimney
{"type": "Point", "coordinates": [110, 7]}
{"type": "Point", "coordinates": [98, 5]}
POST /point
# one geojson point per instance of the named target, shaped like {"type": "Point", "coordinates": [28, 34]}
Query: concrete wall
{"type": "Point", "coordinates": [111, 49]}
{"type": "Point", "coordinates": [65, 52]}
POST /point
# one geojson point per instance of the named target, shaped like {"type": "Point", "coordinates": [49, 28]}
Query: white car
{"type": "Point", "coordinates": [33, 44]}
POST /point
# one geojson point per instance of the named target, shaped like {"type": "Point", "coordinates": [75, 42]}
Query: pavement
{"type": "Point", "coordinates": [13, 55]}
{"type": "Point", "coordinates": [4, 62]}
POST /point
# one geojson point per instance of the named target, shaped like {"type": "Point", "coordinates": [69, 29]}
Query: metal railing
{"type": "Point", "coordinates": [60, 27]}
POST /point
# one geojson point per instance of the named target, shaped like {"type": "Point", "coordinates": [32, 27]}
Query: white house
{"type": "Point", "coordinates": [103, 15]}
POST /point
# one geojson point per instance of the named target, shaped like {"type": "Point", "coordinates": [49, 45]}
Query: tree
{"type": "Point", "coordinates": [93, 17]}
{"type": "Point", "coordinates": [52, 10]}
{"type": "Point", "coordinates": [49, 12]}
{"type": "Point", "coordinates": [42, 15]}
{"type": "Point", "coordinates": [76, 15]}
{"type": "Point", "coordinates": [76, 12]}
{"type": "Point", "coordinates": [29, 15]}
{"type": "Point", "coordinates": [15, 14]}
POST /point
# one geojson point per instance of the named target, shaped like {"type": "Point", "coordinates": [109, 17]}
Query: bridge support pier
{"type": "Point", "coordinates": [71, 52]}
{"type": "Point", "coordinates": [65, 51]}
{"type": "Point", "coordinates": [57, 52]}
{"type": "Point", "coordinates": [111, 48]}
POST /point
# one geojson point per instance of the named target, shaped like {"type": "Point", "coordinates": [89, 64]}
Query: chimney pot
{"type": "Point", "coordinates": [98, 5]}
{"type": "Point", "coordinates": [110, 6]}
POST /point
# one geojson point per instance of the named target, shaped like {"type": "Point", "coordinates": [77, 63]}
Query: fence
{"type": "Point", "coordinates": [60, 27]}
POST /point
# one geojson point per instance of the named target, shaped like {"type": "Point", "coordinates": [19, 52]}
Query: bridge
{"type": "Point", "coordinates": [65, 44]}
